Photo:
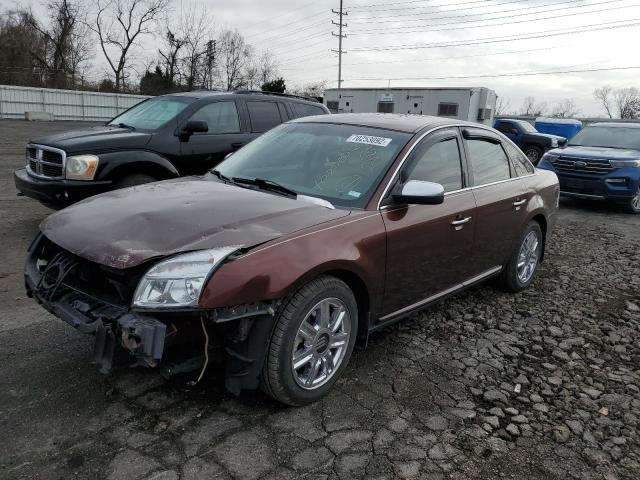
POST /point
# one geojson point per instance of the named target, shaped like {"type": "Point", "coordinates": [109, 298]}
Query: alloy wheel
{"type": "Point", "coordinates": [635, 201]}
{"type": "Point", "coordinates": [528, 257]}
{"type": "Point", "coordinates": [321, 343]}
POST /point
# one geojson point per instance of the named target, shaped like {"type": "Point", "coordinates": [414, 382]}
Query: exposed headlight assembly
{"type": "Point", "coordinates": [624, 163]}
{"type": "Point", "coordinates": [81, 167]}
{"type": "Point", "coordinates": [554, 143]}
{"type": "Point", "coordinates": [178, 281]}
{"type": "Point", "coordinates": [549, 157]}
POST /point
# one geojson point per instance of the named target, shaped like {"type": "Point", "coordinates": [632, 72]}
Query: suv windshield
{"type": "Point", "coordinates": [339, 163]}
{"type": "Point", "coordinates": [526, 126]}
{"type": "Point", "coordinates": [151, 114]}
{"type": "Point", "coordinates": [612, 137]}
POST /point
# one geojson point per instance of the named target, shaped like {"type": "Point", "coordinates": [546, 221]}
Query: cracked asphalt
{"type": "Point", "coordinates": [543, 385]}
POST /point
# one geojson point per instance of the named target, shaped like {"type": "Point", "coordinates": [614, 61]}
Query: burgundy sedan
{"type": "Point", "coordinates": [295, 248]}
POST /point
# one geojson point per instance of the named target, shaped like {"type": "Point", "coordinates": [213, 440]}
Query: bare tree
{"type": "Point", "coordinates": [196, 29]}
{"type": "Point", "coordinates": [531, 108]}
{"type": "Point", "coordinates": [234, 54]}
{"type": "Point", "coordinates": [565, 109]}
{"type": "Point", "coordinates": [502, 106]}
{"type": "Point", "coordinates": [603, 95]}
{"type": "Point", "coordinates": [251, 76]}
{"type": "Point", "coordinates": [21, 46]}
{"type": "Point", "coordinates": [312, 89]}
{"type": "Point", "coordinates": [119, 24]}
{"type": "Point", "coordinates": [267, 66]}
{"type": "Point", "coordinates": [628, 102]}
{"type": "Point", "coordinates": [169, 55]}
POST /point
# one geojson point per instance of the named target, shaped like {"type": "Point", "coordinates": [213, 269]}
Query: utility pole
{"type": "Point", "coordinates": [340, 36]}
{"type": "Point", "coordinates": [211, 61]}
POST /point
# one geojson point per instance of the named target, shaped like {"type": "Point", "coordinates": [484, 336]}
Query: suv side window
{"type": "Point", "coordinates": [521, 163]}
{"type": "Point", "coordinates": [221, 117]}
{"type": "Point", "coordinates": [440, 163]}
{"type": "Point", "coordinates": [263, 115]}
{"type": "Point", "coordinates": [489, 163]}
{"type": "Point", "coordinates": [505, 127]}
{"type": "Point", "coordinates": [304, 110]}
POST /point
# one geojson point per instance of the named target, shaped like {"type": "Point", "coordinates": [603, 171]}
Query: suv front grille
{"type": "Point", "coordinates": [45, 161]}
{"type": "Point", "coordinates": [582, 165]}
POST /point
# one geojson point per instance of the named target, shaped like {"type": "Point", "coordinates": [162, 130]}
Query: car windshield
{"type": "Point", "coordinates": [612, 137]}
{"type": "Point", "coordinates": [527, 127]}
{"type": "Point", "coordinates": [342, 164]}
{"type": "Point", "coordinates": [151, 114]}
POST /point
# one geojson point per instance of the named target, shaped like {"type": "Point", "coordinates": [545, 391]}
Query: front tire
{"type": "Point", "coordinates": [312, 342]}
{"type": "Point", "coordinates": [633, 205]}
{"type": "Point", "coordinates": [533, 153]}
{"type": "Point", "coordinates": [520, 271]}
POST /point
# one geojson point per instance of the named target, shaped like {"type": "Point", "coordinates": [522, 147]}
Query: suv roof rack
{"type": "Point", "coordinates": [277, 94]}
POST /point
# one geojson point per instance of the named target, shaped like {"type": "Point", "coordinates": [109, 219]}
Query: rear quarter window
{"type": "Point", "coordinates": [521, 163]}
{"type": "Point", "coordinates": [305, 110]}
{"type": "Point", "coordinates": [263, 115]}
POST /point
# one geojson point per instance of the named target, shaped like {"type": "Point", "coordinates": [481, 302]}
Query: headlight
{"type": "Point", "coordinates": [624, 163]}
{"type": "Point", "coordinates": [81, 167]}
{"type": "Point", "coordinates": [549, 157]}
{"type": "Point", "coordinates": [178, 281]}
{"type": "Point", "coordinates": [554, 143]}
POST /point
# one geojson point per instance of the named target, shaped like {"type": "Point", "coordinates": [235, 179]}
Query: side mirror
{"type": "Point", "coordinates": [420, 193]}
{"type": "Point", "coordinates": [195, 126]}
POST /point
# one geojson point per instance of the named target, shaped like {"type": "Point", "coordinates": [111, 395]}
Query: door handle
{"type": "Point", "coordinates": [237, 144]}
{"type": "Point", "coordinates": [519, 203]}
{"type": "Point", "coordinates": [459, 224]}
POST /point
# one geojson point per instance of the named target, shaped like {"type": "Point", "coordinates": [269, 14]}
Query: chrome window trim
{"type": "Point", "coordinates": [39, 148]}
{"type": "Point", "coordinates": [452, 125]}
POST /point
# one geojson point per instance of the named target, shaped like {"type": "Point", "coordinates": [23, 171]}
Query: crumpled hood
{"type": "Point", "coordinates": [124, 228]}
{"type": "Point", "coordinates": [603, 153]}
{"type": "Point", "coordinates": [94, 139]}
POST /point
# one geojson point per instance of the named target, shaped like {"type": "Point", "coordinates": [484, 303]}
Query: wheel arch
{"type": "Point", "coordinates": [541, 219]}
{"type": "Point", "coordinates": [120, 164]}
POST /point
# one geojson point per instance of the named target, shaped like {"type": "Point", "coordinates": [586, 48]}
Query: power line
{"type": "Point", "coordinates": [498, 75]}
{"type": "Point", "coordinates": [486, 40]}
{"type": "Point", "coordinates": [385, 31]}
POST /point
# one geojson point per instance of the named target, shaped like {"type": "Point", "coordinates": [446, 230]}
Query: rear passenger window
{"type": "Point", "coordinates": [439, 163]}
{"type": "Point", "coordinates": [263, 115]}
{"type": "Point", "coordinates": [304, 110]}
{"type": "Point", "coordinates": [521, 163]}
{"type": "Point", "coordinates": [488, 162]}
{"type": "Point", "coordinates": [221, 117]}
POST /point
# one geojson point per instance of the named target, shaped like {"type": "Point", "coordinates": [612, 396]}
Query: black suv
{"type": "Point", "coordinates": [532, 142]}
{"type": "Point", "coordinates": [162, 137]}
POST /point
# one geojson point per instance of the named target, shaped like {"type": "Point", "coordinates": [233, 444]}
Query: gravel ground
{"type": "Point", "coordinates": [542, 384]}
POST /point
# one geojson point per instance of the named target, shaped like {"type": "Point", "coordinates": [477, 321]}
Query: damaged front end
{"type": "Point", "coordinates": [97, 300]}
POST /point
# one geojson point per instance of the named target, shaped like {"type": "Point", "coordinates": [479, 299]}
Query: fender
{"type": "Point", "coordinates": [116, 164]}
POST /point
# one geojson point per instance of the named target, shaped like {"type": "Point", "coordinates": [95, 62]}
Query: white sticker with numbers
{"type": "Point", "coordinates": [369, 140]}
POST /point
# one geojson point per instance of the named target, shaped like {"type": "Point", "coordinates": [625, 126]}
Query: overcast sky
{"type": "Point", "coordinates": [299, 34]}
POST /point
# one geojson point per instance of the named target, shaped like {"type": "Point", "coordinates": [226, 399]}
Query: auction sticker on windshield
{"type": "Point", "coordinates": [369, 140]}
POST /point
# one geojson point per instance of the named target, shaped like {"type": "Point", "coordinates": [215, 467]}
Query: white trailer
{"type": "Point", "coordinates": [475, 104]}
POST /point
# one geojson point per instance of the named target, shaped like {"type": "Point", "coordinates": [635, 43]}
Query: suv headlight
{"type": "Point", "coordinates": [624, 163]}
{"type": "Point", "coordinates": [178, 281]}
{"type": "Point", "coordinates": [554, 143]}
{"type": "Point", "coordinates": [550, 157]}
{"type": "Point", "coordinates": [81, 167]}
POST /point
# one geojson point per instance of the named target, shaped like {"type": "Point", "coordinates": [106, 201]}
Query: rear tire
{"type": "Point", "coordinates": [133, 180]}
{"type": "Point", "coordinates": [520, 271]}
{"type": "Point", "coordinates": [321, 353]}
{"type": "Point", "coordinates": [533, 153]}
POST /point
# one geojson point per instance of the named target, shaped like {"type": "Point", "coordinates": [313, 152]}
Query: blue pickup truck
{"type": "Point", "coordinates": [530, 141]}
{"type": "Point", "coordinates": [602, 161]}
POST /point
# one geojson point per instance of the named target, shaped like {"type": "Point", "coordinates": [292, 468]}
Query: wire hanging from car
{"type": "Point", "coordinates": [206, 352]}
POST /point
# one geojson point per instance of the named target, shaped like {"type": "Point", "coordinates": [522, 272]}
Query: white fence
{"type": "Point", "coordinates": [64, 104]}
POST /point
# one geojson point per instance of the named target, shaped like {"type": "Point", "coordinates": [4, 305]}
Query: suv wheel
{"type": "Point", "coordinates": [133, 180]}
{"type": "Point", "coordinates": [312, 342]}
{"type": "Point", "coordinates": [633, 205]}
{"type": "Point", "coordinates": [533, 153]}
{"type": "Point", "coordinates": [523, 264]}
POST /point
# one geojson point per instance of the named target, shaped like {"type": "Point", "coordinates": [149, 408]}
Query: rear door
{"type": "Point", "coordinates": [429, 247]}
{"type": "Point", "coordinates": [203, 151]}
{"type": "Point", "coordinates": [501, 199]}
{"type": "Point", "coordinates": [264, 115]}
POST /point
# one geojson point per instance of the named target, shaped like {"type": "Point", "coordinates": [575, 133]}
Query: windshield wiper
{"type": "Point", "coordinates": [266, 185]}
{"type": "Point", "coordinates": [220, 175]}
{"type": "Point", "coordinates": [123, 125]}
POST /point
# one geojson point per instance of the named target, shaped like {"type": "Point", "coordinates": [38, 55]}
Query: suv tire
{"type": "Point", "coordinates": [316, 329]}
{"type": "Point", "coordinates": [523, 263]}
{"type": "Point", "coordinates": [133, 180]}
{"type": "Point", "coordinates": [533, 153]}
{"type": "Point", "coordinates": [633, 205]}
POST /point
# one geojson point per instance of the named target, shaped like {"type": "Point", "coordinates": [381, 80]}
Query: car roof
{"type": "Point", "coordinates": [391, 121]}
{"type": "Point", "coordinates": [199, 94]}
{"type": "Point", "coordinates": [615, 124]}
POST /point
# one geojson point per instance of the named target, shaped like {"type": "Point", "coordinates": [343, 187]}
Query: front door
{"type": "Point", "coordinates": [202, 151]}
{"type": "Point", "coordinates": [415, 105]}
{"type": "Point", "coordinates": [501, 198]}
{"type": "Point", "coordinates": [429, 247]}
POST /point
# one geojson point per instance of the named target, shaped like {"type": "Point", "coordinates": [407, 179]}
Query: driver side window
{"type": "Point", "coordinates": [439, 163]}
{"type": "Point", "coordinates": [221, 117]}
